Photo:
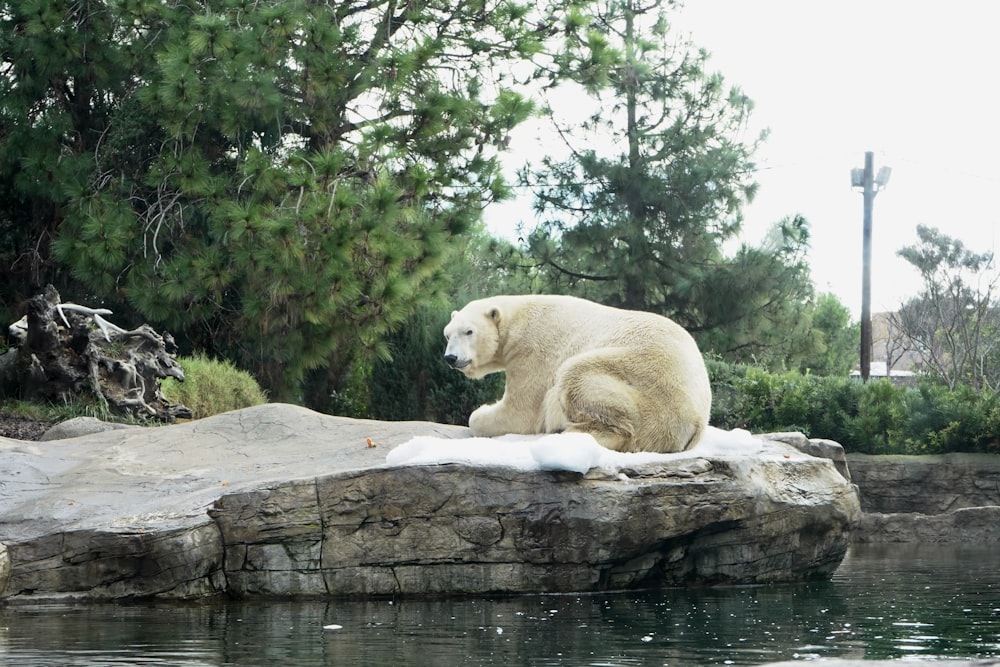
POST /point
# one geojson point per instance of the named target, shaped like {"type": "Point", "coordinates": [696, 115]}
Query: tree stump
{"type": "Point", "coordinates": [64, 351]}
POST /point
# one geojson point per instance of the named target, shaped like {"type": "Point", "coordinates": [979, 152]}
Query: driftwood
{"type": "Point", "coordinates": [64, 351]}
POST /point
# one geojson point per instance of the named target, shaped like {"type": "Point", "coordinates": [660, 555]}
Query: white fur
{"type": "Point", "coordinates": [635, 381]}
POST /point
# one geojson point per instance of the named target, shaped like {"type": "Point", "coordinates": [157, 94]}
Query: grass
{"type": "Point", "coordinates": [210, 387]}
{"type": "Point", "coordinates": [52, 412]}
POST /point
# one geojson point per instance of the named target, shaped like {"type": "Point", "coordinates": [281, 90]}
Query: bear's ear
{"type": "Point", "coordinates": [494, 314]}
{"type": "Point", "coordinates": [453, 314]}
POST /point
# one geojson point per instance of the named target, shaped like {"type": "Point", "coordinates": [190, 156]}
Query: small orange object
{"type": "Point", "coordinates": [369, 442]}
{"type": "Point", "coordinates": [225, 483]}
{"type": "Point", "coordinates": [71, 502]}
{"type": "Point", "coordinates": [788, 456]}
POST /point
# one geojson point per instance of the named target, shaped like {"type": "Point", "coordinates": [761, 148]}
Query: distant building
{"type": "Point", "coordinates": [892, 356]}
{"type": "Point", "coordinates": [879, 370]}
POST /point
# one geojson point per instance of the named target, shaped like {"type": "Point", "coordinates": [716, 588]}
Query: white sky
{"type": "Point", "coordinates": [913, 81]}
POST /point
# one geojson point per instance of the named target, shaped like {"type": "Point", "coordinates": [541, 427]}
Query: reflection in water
{"type": "Point", "coordinates": [885, 602]}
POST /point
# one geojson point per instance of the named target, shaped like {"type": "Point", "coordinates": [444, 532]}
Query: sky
{"type": "Point", "coordinates": [914, 82]}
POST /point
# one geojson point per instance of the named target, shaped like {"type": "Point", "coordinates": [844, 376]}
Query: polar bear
{"type": "Point", "coordinates": [635, 381]}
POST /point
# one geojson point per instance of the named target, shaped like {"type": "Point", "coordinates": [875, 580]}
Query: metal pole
{"type": "Point", "coordinates": [866, 269]}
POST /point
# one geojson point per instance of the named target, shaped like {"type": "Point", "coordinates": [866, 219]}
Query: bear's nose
{"type": "Point", "coordinates": [451, 359]}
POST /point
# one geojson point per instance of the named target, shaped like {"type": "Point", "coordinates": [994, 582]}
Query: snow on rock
{"type": "Point", "coordinates": [576, 452]}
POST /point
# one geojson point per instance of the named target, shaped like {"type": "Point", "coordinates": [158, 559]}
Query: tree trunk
{"type": "Point", "coordinates": [67, 352]}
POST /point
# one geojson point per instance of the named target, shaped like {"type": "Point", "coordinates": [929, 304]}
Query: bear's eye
{"type": "Point", "coordinates": [469, 332]}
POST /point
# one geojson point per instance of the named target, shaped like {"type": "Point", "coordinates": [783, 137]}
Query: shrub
{"type": "Point", "coordinates": [880, 423]}
{"type": "Point", "coordinates": [875, 418]}
{"type": "Point", "coordinates": [211, 387]}
{"type": "Point", "coordinates": [943, 420]}
{"type": "Point", "coordinates": [729, 401]}
{"type": "Point", "coordinates": [836, 408]}
{"type": "Point", "coordinates": [416, 384]}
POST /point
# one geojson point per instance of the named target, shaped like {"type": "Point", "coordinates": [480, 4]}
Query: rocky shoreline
{"type": "Point", "coordinates": [281, 501]}
{"type": "Point", "coordinates": [943, 498]}
{"type": "Point", "coordinates": [278, 500]}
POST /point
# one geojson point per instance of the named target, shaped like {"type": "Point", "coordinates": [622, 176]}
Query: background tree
{"type": "Point", "coordinates": [277, 183]}
{"type": "Point", "coordinates": [895, 344]}
{"type": "Point", "coordinates": [757, 305]}
{"type": "Point", "coordinates": [640, 212]}
{"type": "Point", "coordinates": [838, 338]}
{"type": "Point", "coordinates": [954, 323]}
{"type": "Point", "coordinates": [416, 383]}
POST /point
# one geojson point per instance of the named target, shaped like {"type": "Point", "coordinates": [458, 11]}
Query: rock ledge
{"type": "Point", "coordinates": [277, 500]}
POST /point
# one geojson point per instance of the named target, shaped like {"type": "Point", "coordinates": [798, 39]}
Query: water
{"type": "Point", "coordinates": [885, 602]}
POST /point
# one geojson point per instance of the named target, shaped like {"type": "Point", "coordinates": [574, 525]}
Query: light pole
{"type": "Point", "coordinates": [870, 184]}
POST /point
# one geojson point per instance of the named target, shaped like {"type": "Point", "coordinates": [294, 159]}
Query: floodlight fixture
{"type": "Point", "coordinates": [882, 178]}
{"type": "Point", "coordinates": [857, 178]}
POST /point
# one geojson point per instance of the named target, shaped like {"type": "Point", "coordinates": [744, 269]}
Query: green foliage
{"type": "Point", "coordinates": [418, 385]}
{"type": "Point", "coordinates": [729, 400]}
{"type": "Point", "coordinates": [352, 395]}
{"type": "Point", "coordinates": [837, 338]}
{"type": "Point", "coordinates": [59, 412]}
{"type": "Point", "coordinates": [881, 415]}
{"type": "Point", "coordinates": [211, 387]}
{"type": "Point", "coordinates": [278, 185]}
{"type": "Point", "coordinates": [415, 382]}
{"type": "Point", "coordinates": [944, 420]}
{"type": "Point", "coordinates": [777, 402]}
{"type": "Point", "coordinates": [640, 213]}
{"type": "Point", "coordinates": [835, 410]}
{"type": "Point", "coordinates": [954, 323]}
{"type": "Point", "coordinates": [874, 418]}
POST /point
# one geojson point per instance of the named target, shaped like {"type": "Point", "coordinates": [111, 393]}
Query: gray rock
{"type": "Point", "coordinates": [973, 525]}
{"type": "Point", "coordinates": [824, 449]}
{"type": "Point", "coordinates": [279, 500]}
{"type": "Point", "coordinates": [947, 498]}
{"type": "Point", "coordinates": [926, 484]}
{"type": "Point", "coordinates": [74, 428]}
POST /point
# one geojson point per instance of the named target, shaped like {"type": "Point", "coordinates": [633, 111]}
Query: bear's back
{"type": "Point", "coordinates": [573, 323]}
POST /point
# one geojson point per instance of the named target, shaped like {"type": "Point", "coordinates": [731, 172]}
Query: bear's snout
{"type": "Point", "coordinates": [456, 363]}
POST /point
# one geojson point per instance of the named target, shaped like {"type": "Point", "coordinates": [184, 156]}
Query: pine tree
{"type": "Point", "coordinates": [640, 213]}
{"type": "Point", "coordinates": [277, 183]}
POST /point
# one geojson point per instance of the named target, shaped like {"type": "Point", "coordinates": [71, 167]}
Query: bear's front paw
{"type": "Point", "coordinates": [478, 420]}
{"type": "Point", "coordinates": [487, 421]}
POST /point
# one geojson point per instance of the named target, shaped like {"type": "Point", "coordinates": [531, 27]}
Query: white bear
{"type": "Point", "coordinates": [635, 381]}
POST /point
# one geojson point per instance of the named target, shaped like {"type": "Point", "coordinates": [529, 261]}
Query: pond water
{"type": "Point", "coordinates": [885, 602]}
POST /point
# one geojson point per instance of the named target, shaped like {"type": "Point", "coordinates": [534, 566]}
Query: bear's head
{"type": "Point", "coordinates": [473, 336]}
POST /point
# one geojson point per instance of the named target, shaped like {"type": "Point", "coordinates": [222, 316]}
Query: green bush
{"type": "Point", "coordinates": [760, 401]}
{"type": "Point", "coordinates": [880, 424]}
{"type": "Point", "coordinates": [875, 417]}
{"type": "Point", "coordinates": [211, 387]}
{"type": "Point", "coordinates": [943, 420]}
{"type": "Point", "coordinates": [416, 384]}
{"type": "Point", "coordinates": [729, 400]}
{"type": "Point", "coordinates": [836, 408]}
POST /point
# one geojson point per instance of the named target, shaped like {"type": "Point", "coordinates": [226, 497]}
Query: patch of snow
{"type": "Point", "coordinates": [576, 452]}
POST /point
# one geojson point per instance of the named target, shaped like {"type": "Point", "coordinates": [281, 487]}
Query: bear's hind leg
{"type": "Point", "coordinates": [591, 400]}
